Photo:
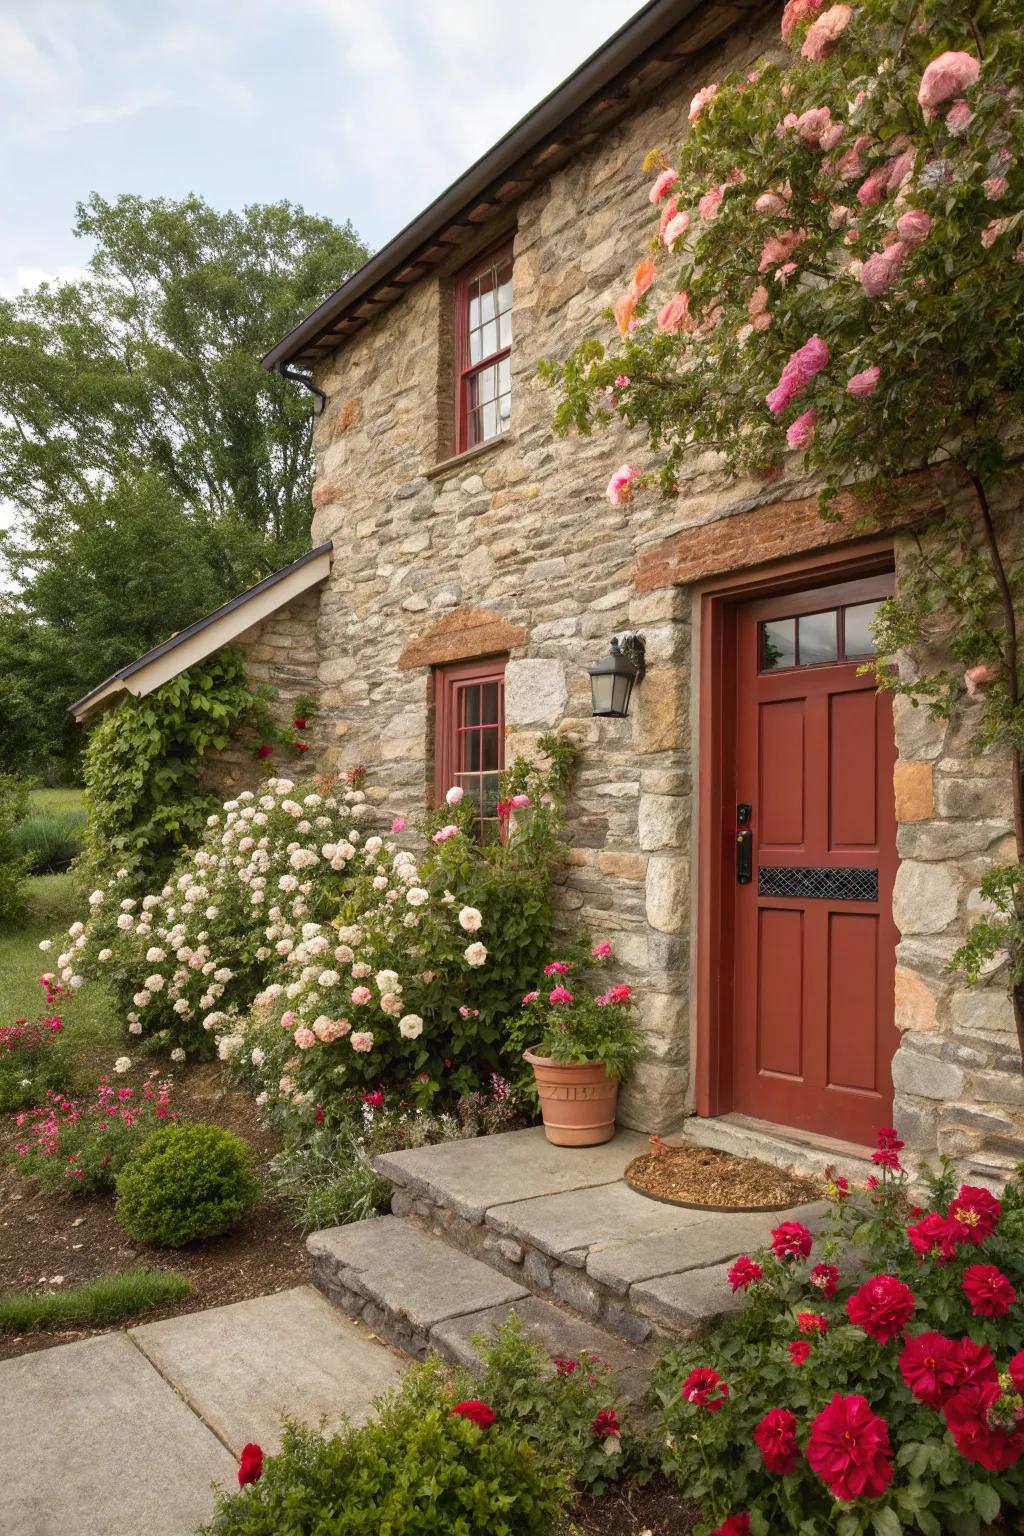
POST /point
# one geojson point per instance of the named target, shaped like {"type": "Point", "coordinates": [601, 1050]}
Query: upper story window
{"type": "Point", "coordinates": [483, 347]}
{"type": "Point", "coordinates": [469, 735]}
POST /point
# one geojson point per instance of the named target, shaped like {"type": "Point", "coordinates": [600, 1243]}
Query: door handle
{"type": "Point", "coordinates": [744, 856]}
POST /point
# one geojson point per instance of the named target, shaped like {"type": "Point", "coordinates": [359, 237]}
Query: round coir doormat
{"type": "Point", "coordinates": [704, 1179]}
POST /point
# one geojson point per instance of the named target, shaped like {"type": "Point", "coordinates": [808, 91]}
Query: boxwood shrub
{"type": "Point", "coordinates": [185, 1183]}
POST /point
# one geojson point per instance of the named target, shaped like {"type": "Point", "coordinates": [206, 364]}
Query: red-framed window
{"type": "Point", "coordinates": [483, 348]}
{"type": "Point", "coordinates": [469, 735]}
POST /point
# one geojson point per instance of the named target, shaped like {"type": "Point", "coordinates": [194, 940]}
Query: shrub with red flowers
{"type": "Point", "coordinates": [31, 1064]}
{"type": "Point", "coordinates": [874, 1380]}
{"type": "Point", "coordinates": [81, 1147]}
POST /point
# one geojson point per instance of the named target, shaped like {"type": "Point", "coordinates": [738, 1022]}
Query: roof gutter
{"type": "Point", "coordinates": [621, 50]}
{"type": "Point", "coordinates": [307, 383]}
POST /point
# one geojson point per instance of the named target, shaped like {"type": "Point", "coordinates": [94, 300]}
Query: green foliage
{"type": "Point", "coordinates": [14, 864]}
{"type": "Point", "coordinates": [416, 1470]}
{"type": "Point", "coordinates": [186, 1183]}
{"type": "Point", "coordinates": [96, 1304]}
{"type": "Point", "coordinates": [80, 1147]}
{"type": "Point", "coordinates": [937, 1486]}
{"type": "Point", "coordinates": [143, 761]}
{"type": "Point", "coordinates": [50, 843]}
{"type": "Point", "coordinates": [580, 1027]}
{"type": "Point", "coordinates": [156, 468]}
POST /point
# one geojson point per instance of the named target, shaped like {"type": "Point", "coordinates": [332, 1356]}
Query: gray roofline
{"type": "Point", "coordinates": [200, 624]}
{"type": "Point", "coordinates": [638, 34]}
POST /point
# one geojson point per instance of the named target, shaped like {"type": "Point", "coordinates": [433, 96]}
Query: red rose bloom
{"type": "Point", "coordinates": [889, 1139]}
{"type": "Point", "coordinates": [930, 1366]}
{"type": "Point", "coordinates": [934, 1235]}
{"type": "Point", "coordinates": [975, 1363]}
{"type": "Point", "coordinates": [1016, 1369]}
{"type": "Point", "coordinates": [606, 1423]}
{"type": "Point", "coordinates": [826, 1278]}
{"type": "Point", "coordinates": [265, 750]}
{"type": "Point", "coordinates": [250, 1464]}
{"type": "Point", "coordinates": [299, 722]}
{"type": "Point", "coordinates": [812, 1322]}
{"type": "Point", "coordinates": [887, 1158]}
{"type": "Point", "coordinates": [566, 1367]}
{"type": "Point", "coordinates": [477, 1412]}
{"type": "Point", "coordinates": [705, 1389]}
{"type": "Point", "coordinates": [798, 1351]}
{"type": "Point", "coordinates": [743, 1273]}
{"type": "Point", "coordinates": [736, 1525]}
{"type": "Point", "coordinates": [775, 1437]}
{"type": "Point", "coordinates": [882, 1307]}
{"type": "Point", "coordinates": [988, 1290]}
{"type": "Point", "coordinates": [791, 1240]}
{"type": "Point", "coordinates": [976, 1211]}
{"type": "Point", "coordinates": [973, 1419]}
{"type": "Point", "coordinates": [302, 746]}
{"type": "Point", "coordinates": [849, 1449]}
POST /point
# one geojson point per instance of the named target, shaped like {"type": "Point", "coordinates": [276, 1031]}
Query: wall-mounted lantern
{"type": "Point", "coordinates": [612, 678]}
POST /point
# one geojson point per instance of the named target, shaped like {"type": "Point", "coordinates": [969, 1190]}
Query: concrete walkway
{"type": "Point", "coordinates": [125, 1434]}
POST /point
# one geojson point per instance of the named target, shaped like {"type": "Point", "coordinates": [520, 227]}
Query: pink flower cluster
{"type": "Point", "coordinates": [824, 34]}
{"type": "Point", "coordinates": [803, 366]}
{"type": "Point", "coordinates": [947, 76]}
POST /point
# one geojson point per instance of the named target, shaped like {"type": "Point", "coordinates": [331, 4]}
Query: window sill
{"type": "Point", "coordinates": [480, 450]}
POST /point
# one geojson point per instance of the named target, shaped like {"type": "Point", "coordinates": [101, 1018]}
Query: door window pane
{"type": "Point", "coordinates": [778, 644]}
{"type": "Point", "coordinates": [857, 623]}
{"type": "Point", "coordinates": [818, 638]}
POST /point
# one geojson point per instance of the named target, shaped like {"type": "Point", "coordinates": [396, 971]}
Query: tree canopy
{"type": "Point", "coordinates": [154, 467]}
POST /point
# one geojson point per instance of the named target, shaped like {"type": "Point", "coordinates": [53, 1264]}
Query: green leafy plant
{"type": "Point", "coordinates": [50, 843]}
{"type": "Point", "coordinates": [30, 1063]}
{"type": "Point", "coordinates": [873, 1380]}
{"type": "Point", "coordinates": [565, 1021]}
{"type": "Point", "coordinates": [185, 1183]}
{"type": "Point", "coordinates": [14, 863]}
{"type": "Point", "coordinates": [96, 1304]}
{"type": "Point", "coordinates": [80, 1147]}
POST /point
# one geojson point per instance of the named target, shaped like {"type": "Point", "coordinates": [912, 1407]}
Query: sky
{"type": "Point", "coordinates": [357, 109]}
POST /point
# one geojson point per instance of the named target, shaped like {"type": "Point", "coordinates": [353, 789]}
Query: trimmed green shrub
{"type": "Point", "coordinates": [185, 1183]}
{"type": "Point", "coordinates": [50, 843]}
{"type": "Point", "coordinates": [95, 1304]}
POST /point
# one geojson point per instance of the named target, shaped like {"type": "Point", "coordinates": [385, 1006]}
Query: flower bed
{"type": "Point", "coordinates": [875, 1379]}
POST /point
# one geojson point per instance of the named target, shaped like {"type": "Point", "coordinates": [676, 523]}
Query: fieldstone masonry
{"type": "Point", "coordinates": [513, 548]}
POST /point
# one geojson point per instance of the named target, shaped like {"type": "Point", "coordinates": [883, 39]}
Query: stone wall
{"type": "Point", "coordinates": [281, 650]}
{"type": "Point", "coordinates": [514, 547]}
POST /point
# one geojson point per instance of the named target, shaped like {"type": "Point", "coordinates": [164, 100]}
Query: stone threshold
{"type": "Point", "coordinates": [803, 1152]}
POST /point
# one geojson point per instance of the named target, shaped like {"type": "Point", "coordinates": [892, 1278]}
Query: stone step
{"type": "Point", "coordinates": [563, 1224]}
{"type": "Point", "coordinates": [426, 1296]}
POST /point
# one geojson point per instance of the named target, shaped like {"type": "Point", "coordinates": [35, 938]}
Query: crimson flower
{"type": "Point", "coordinates": [976, 1363]}
{"type": "Point", "coordinates": [302, 746]}
{"type": "Point", "coordinates": [889, 1139]}
{"type": "Point", "coordinates": [250, 1464]}
{"type": "Point", "coordinates": [606, 1423]}
{"type": "Point", "coordinates": [930, 1366]}
{"type": "Point", "coordinates": [743, 1273]}
{"type": "Point", "coordinates": [826, 1278]}
{"type": "Point", "coordinates": [974, 1421]}
{"type": "Point", "coordinates": [837, 1186]}
{"type": "Point", "coordinates": [1016, 1371]}
{"type": "Point", "coordinates": [934, 1235]}
{"type": "Point", "coordinates": [265, 750]}
{"type": "Point", "coordinates": [556, 968]}
{"type": "Point", "coordinates": [812, 1322]}
{"type": "Point", "coordinates": [882, 1307]}
{"type": "Point", "coordinates": [791, 1240]}
{"type": "Point", "coordinates": [799, 1349]}
{"type": "Point", "coordinates": [560, 995]}
{"type": "Point", "coordinates": [477, 1412]}
{"type": "Point", "coordinates": [988, 1290]}
{"type": "Point", "coordinates": [705, 1389]}
{"type": "Point", "coordinates": [977, 1212]}
{"type": "Point", "coordinates": [299, 722]}
{"type": "Point", "coordinates": [849, 1449]}
{"type": "Point", "coordinates": [736, 1525]}
{"type": "Point", "coordinates": [318, 1116]}
{"type": "Point", "coordinates": [775, 1437]}
{"type": "Point", "coordinates": [885, 1157]}
{"type": "Point", "coordinates": [566, 1367]}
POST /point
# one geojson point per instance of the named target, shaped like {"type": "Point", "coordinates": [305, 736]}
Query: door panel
{"type": "Point", "coordinates": [813, 938]}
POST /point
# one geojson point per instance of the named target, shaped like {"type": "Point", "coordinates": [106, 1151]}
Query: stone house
{"type": "Point", "coordinates": [783, 860]}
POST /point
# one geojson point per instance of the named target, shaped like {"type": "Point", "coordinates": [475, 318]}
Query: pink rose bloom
{"type": "Point", "coordinates": [556, 968]}
{"type": "Point", "coordinates": [779, 248]}
{"type": "Point", "coordinates": [531, 997]}
{"type": "Point", "coordinates": [879, 270]}
{"type": "Point", "coordinates": [958, 117]}
{"type": "Point", "coordinates": [797, 11]}
{"type": "Point", "coordinates": [864, 384]}
{"type": "Point", "coordinates": [362, 1040]}
{"type": "Point", "coordinates": [995, 188]}
{"type": "Point", "coordinates": [914, 226]}
{"type": "Point", "coordinates": [770, 202]}
{"type": "Point", "coordinates": [872, 189]}
{"type": "Point", "coordinates": [675, 228]}
{"type": "Point", "coordinates": [785, 272]}
{"type": "Point", "coordinates": [560, 995]}
{"type": "Point", "coordinates": [945, 77]}
{"type": "Point", "coordinates": [977, 680]}
{"type": "Point", "coordinates": [804, 365]}
{"type": "Point", "coordinates": [810, 125]}
{"type": "Point", "coordinates": [304, 1038]}
{"type": "Point", "coordinates": [622, 381]}
{"type": "Point", "coordinates": [620, 486]}
{"type": "Point", "coordinates": [901, 168]}
{"type": "Point", "coordinates": [990, 234]}
{"type": "Point", "coordinates": [287, 1019]}
{"type": "Point", "coordinates": [838, 215]}
{"type": "Point", "coordinates": [711, 202]}
{"type": "Point", "coordinates": [675, 315]}
{"type": "Point", "coordinates": [360, 996]}
{"type": "Point", "coordinates": [669, 211]}
{"type": "Point", "coordinates": [824, 34]}
{"type": "Point", "coordinates": [802, 431]}
{"type": "Point", "coordinates": [700, 101]}
{"type": "Point", "coordinates": [601, 951]}
{"type": "Point", "coordinates": [521, 802]}
{"type": "Point", "coordinates": [454, 795]}
{"type": "Point", "coordinates": [444, 833]}
{"type": "Point", "coordinates": [832, 136]}
{"type": "Point", "coordinates": [851, 165]}
{"type": "Point", "coordinates": [662, 185]}
{"type": "Point", "coordinates": [398, 825]}
{"type": "Point", "coordinates": [757, 309]}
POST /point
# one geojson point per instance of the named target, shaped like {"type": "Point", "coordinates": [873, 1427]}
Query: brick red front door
{"type": "Point", "coordinates": [814, 941]}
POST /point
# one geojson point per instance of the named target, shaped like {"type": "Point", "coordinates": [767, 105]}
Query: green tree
{"type": "Point", "coordinates": [155, 468]}
{"type": "Point", "coordinates": [838, 269]}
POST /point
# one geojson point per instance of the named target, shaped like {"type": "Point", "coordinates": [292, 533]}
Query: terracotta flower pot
{"type": "Point", "coordinates": [577, 1102]}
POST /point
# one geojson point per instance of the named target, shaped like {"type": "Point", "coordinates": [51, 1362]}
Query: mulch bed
{"type": "Point", "coordinates": [705, 1179]}
{"type": "Point", "coordinates": [657, 1508]}
{"type": "Point", "coordinates": [44, 1234]}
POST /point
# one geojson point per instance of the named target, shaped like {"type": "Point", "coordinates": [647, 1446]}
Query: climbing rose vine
{"type": "Point", "coordinates": [835, 270]}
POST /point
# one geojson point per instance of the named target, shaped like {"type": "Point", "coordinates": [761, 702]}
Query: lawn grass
{"type": "Point", "coordinates": [96, 1304]}
{"type": "Point", "coordinates": [57, 802]}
